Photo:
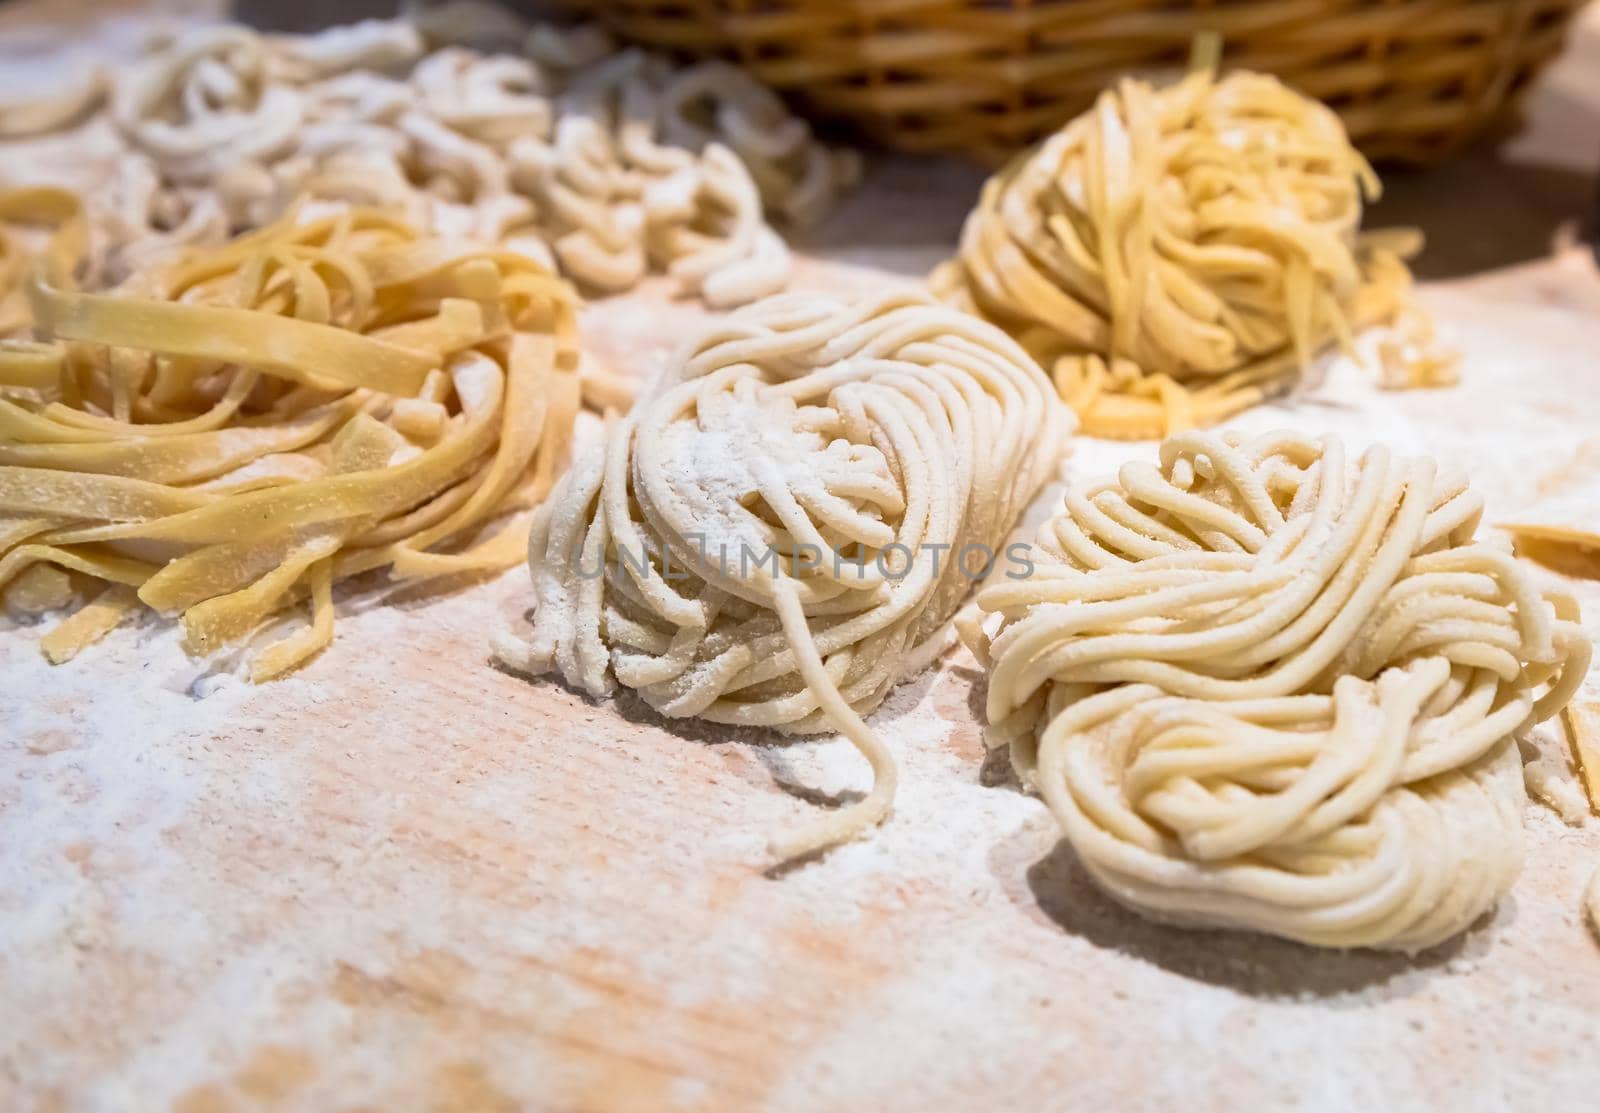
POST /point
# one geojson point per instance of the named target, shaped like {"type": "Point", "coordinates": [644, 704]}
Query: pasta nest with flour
{"type": "Point", "coordinates": [693, 557]}
{"type": "Point", "coordinates": [1175, 255]}
{"type": "Point", "coordinates": [1262, 688]}
{"type": "Point", "coordinates": [240, 429]}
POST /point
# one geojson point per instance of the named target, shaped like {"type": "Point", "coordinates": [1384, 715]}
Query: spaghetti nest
{"type": "Point", "coordinates": [782, 529]}
{"type": "Point", "coordinates": [223, 436]}
{"type": "Point", "coordinates": [1175, 255]}
{"type": "Point", "coordinates": [1262, 688]}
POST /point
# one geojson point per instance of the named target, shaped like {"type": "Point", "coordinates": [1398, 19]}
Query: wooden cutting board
{"type": "Point", "coordinates": [402, 879]}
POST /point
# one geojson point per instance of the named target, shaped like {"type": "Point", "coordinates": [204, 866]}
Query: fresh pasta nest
{"type": "Point", "coordinates": [774, 536]}
{"type": "Point", "coordinates": [1262, 687]}
{"type": "Point", "coordinates": [238, 430]}
{"type": "Point", "coordinates": [1175, 255]}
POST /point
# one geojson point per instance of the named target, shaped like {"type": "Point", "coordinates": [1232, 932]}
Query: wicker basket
{"type": "Point", "coordinates": [1412, 78]}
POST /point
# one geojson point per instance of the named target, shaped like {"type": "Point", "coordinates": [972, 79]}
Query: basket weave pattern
{"type": "Point", "coordinates": [1412, 78]}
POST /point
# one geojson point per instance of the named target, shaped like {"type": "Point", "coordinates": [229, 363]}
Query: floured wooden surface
{"type": "Point", "coordinates": [404, 880]}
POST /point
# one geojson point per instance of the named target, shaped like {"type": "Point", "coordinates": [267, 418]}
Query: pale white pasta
{"type": "Point", "coordinates": [611, 163]}
{"type": "Point", "coordinates": [775, 535]}
{"type": "Point", "coordinates": [53, 111]}
{"type": "Point", "coordinates": [719, 103]}
{"type": "Point", "coordinates": [1264, 687]}
{"type": "Point", "coordinates": [207, 101]}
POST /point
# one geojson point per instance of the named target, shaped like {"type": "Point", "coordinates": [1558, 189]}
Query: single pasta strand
{"type": "Point", "coordinates": [89, 623]}
{"type": "Point", "coordinates": [1583, 732]}
{"type": "Point", "coordinates": [57, 216]}
{"type": "Point", "coordinates": [1263, 688]}
{"type": "Point", "coordinates": [869, 812]}
{"type": "Point", "coordinates": [1591, 902]}
{"type": "Point", "coordinates": [771, 537]}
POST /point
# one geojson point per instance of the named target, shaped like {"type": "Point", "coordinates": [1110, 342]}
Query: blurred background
{"type": "Point", "coordinates": [1483, 115]}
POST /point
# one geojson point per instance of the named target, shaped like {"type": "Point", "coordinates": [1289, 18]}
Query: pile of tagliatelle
{"type": "Point", "coordinates": [229, 434]}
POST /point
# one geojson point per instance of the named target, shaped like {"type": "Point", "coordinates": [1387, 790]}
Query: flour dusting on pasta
{"type": "Point", "coordinates": [759, 541]}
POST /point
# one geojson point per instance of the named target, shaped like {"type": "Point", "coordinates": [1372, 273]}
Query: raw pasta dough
{"type": "Point", "coordinates": [1262, 687]}
{"type": "Point", "coordinates": [674, 561]}
{"type": "Point", "coordinates": [1175, 255]}
{"type": "Point", "coordinates": [243, 428]}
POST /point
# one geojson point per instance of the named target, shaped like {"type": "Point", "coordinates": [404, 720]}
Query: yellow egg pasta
{"type": "Point", "coordinates": [1175, 255]}
{"type": "Point", "coordinates": [227, 435]}
{"type": "Point", "coordinates": [35, 223]}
